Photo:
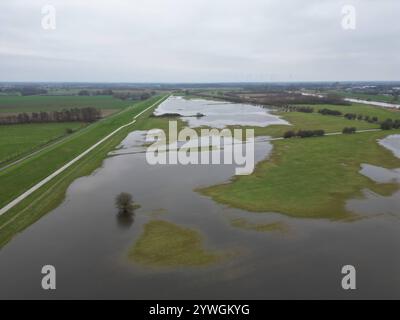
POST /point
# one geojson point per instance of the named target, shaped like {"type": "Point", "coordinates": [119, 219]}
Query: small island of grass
{"type": "Point", "coordinates": [164, 244]}
{"type": "Point", "coordinates": [310, 178]}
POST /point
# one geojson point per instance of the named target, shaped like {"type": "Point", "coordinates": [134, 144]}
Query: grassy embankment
{"type": "Point", "coordinates": [164, 244]}
{"type": "Point", "coordinates": [17, 179]}
{"type": "Point", "coordinates": [19, 140]}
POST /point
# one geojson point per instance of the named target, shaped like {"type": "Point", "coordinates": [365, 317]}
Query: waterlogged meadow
{"type": "Point", "coordinates": [311, 207]}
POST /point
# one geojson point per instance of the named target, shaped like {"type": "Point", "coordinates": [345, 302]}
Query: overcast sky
{"type": "Point", "coordinates": [199, 41]}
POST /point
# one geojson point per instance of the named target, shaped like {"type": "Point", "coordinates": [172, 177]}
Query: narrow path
{"type": "Point", "coordinates": [66, 166]}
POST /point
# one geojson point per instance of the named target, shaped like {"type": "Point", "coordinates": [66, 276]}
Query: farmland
{"type": "Point", "coordinates": [18, 140]}
{"type": "Point", "coordinates": [13, 104]}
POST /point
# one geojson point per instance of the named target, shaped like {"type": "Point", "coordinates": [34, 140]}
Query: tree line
{"type": "Point", "coordinates": [132, 96]}
{"type": "Point", "coordinates": [303, 134]}
{"type": "Point", "coordinates": [290, 108]}
{"type": "Point", "coordinates": [390, 124]}
{"type": "Point", "coordinates": [88, 114]}
{"type": "Point", "coordinates": [104, 92]}
{"type": "Point", "coordinates": [329, 112]}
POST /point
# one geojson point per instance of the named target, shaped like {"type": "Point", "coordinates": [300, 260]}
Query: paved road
{"type": "Point", "coordinates": [66, 166]}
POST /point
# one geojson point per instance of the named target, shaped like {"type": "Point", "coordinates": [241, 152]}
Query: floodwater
{"type": "Point", "coordinates": [352, 100]}
{"type": "Point", "coordinates": [88, 244]}
{"type": "Point", "coordinates": [374, 103]}
{"type": "Point", "coordinates": [218, 114]}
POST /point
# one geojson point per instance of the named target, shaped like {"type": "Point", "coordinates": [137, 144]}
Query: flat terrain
{"type": "Point", "coordinates": [17, 140]}
{"type": "Point", "coordinates": [13, 104]}
{"type": "Point", "coordinates": [310, 178]}
{"type": "Point", "coordinates": [315, 121]}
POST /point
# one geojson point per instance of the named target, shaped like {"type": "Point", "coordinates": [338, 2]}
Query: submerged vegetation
{"type": "Point", "coordinates": [260, 227]}
{"type": "Point", "coordinates": [164, 244]}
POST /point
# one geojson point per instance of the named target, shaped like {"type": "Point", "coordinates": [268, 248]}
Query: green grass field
{"type": "Point", "coordinates": [314, 121]}
{"type": "Point", "coordinates": [17, 179]}
{"type": "Point", "coordinates": [12, 104]}
{"type": "Point", "coordinates": [300, 120]}
{"type": "Point", "coordinates": [18, 140]}
{"type": "Point", "coordinates": [310, 178]}
{"type": "Point", "coordinates": [364, 109]}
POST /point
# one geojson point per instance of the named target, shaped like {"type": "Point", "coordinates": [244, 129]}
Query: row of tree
{"type": "Point", "coordinates": [72, 115]}
{"type": "Point", "coordinates": [330, 112]}
{"type": "Point", "coordinates": [104, 92]}
{"type": "Point", "coordinates": [303, 134]}
{"type": "Point", "coordinates": [132, 96]}
{"type": "Point", "coordinates": [291, 108]}
{"type": "Point", "coordinates": [390, 124]}
{"type": "Point", "coordinates": [353, 116]}
{"type": "Point", "coordinates": [349, 116]}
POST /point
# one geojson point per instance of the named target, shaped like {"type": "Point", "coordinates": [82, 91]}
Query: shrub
{"type": "Point", "coordinates": [289, 134]}
{"type": "Point", "coordinates": [349, 130]}
{"type": "Point", "coordinates": [350, 116]}
{"type": "Point", "coordinates": [330, 112]}
{"type": "Point", "coordinates": [310, 133]}
{"type": "Point", "coordinates": [387, 124]}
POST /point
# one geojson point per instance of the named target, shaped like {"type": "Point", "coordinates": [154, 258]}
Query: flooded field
{"type": "Point", "coordinates": [236, 255]}
{"type": "Point", "coordinates": [218, 114]}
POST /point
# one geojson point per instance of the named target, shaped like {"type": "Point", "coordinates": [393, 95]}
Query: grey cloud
{"type": "Point", "coordinates": [199, 40]}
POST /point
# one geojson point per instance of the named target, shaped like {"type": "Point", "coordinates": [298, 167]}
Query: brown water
{"type": "Point", "coordinates": [88, 244]}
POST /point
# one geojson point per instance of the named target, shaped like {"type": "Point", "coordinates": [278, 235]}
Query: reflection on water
{"type": "Point", "coordinates": [90, 252]}
{"type": "Point", "coordinates": [375, 204]}
{"type": "Point", "coordinates": [125, 219]}
{"type": "Point", "coordinates": [379, 174]}
{"type": "Point", "coordinates": [218, 114]}
{"type": "Point", "coordinates": [392, 143]}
